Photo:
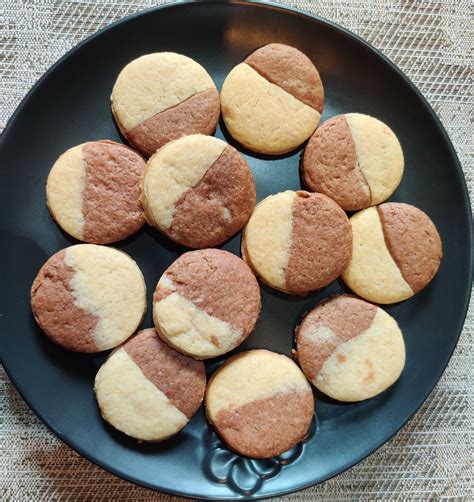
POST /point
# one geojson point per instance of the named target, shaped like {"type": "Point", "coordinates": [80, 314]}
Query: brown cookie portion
{"type": "Point", "coordinates": [197, 114]}
{"type": "Point", "coordinates": [321, 243]}
{"type": "Point", "coordinates": [218, 206]}
{"type": "Point", "coordinates": [111, 194]}
{"type": "Point", "coordinates": [220, 284]}
{"type": "Point", "coordinates": [54, 309]}
{"type": "Point", "coordinates": [346, 317]}
{"type": "Point", "coordinates": [291, 70]}
{"type": "Point", "coordinates": [180, 378]}
{"type": "Point", "coordinates": [267, 427]}
{"type": "Point", "coordinates": [330, 165]}
{"type": "Point", "coordinates": [413, 242]}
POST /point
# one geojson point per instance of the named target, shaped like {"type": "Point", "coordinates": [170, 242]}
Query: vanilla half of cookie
{"type": "Point", "coordinates": [259, 403]}
{"type": "Point", "coordinates": [297, 241]}
{"type": "Point", "coordinates": [161, 97]}
{"type": "Point", "coordinates": [355, 159]}
{"type": "Point", "coordinates": [396, 252]}
{"type": "Point", "coordinates": [272, 102]}
{"type": "Point", "coordinates": [93, 191]}
{"type": "Point", "coordinates": [89, 298]}
{"type": "Point", "coordinates": [147, 390]}
{"type": "Point", "coordinates": [198, 190]}
{"type": "Point", "coordinates": [350, 349]}
{"type": "Point", "coordinates": [206, 303]}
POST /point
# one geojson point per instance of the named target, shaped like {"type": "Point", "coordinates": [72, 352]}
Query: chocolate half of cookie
{"type": "Point", "coordinates": [290, 69]}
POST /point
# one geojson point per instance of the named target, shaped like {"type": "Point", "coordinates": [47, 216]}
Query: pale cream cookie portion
{"type": "Point", "coordinates": [261, 115]}
{"type": "Point", "coordinates": [251, 376]}
{"type": "Point", "coordinates": [172, 171]}
{"type": "Point", "coordinates": [267, 238]}
{"type": "Point", "coordinates": [64, 191]}
{"type": "Point", "coordinates": [132, 403]}
{"type": "Point", "coordinates": [379, 155]}
{"type": "Point", "coordinates": [191, 330]}
{"type": "Point", "coordinates": [154, 83]}
{"type": "Point", "coordinates": [367, 364]}
{"type": "Point", "coordinates": [372, 273]}
{"type": "Point", "coordinates": [108, 284]}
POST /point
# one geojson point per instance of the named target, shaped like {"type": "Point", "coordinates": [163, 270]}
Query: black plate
{"type": "Point", "coordinates": [70, 104]}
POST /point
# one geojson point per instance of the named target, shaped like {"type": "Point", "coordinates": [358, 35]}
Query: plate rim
{"type": "Point", "coordinates": [287, 9]}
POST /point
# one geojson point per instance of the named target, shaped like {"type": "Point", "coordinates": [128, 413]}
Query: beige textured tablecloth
{"type": "Point", "coordinates": [432, 457]}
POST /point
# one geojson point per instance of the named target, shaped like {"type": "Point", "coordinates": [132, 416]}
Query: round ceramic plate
{"type": "Point", "coordinates": [70, 105]}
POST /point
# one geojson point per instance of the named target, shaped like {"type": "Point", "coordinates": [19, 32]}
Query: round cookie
{"type": "Point", "coordinates": [350, 349]}
{"type": "Point", "coordinates": [396, 252]}
{"type": "Point", "coordinates": [93, 191]}
{"type": "Point", "coordinates": [297, 241]}
{"type": "Point", "coordinates": [272, 102]}
{"type": "Point", "coordinates": [89, 298]}
{"type": "Point", "coordinates": [259, 403]}
{"type": "Point", "coordinates": [354, 159]}
{"type": "Point", "coordinates": [198, 190]}
{"type": "Point", "coordinates": [147, 390]}
{"type": "Point", "coordinates": [206, 303]}
{"type": "Point", "coordinates": [161, 97]}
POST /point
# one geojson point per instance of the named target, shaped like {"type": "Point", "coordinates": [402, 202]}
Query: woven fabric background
{"type": "Point", "coordinates": [433, 456]}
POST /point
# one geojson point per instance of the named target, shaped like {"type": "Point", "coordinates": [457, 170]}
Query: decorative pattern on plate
{"type": "Point", "coordinates": [242, 474]}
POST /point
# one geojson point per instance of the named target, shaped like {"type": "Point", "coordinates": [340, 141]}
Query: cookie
{"type": "Point", "coordinates": [350, 349]}
{"type": "Point", "coordinates": [354, 159]}
{"type": "Point", "coordinates": [259, 403]}
{"type": "Point", "coordinates": [198, 190]}
{"type": "Point", "coordinates": [161, 97]}
{"type": "Point", "coordinates": [147, 390]}
{"type": "Point", "coordinates": [89, 298]}
{"type": "Point", "coordinates": [206, 303]}
{"type": "Point", "coordinates": [396, 252]}
{"type": "Point", "coordinates": [297, 241]}
{"type": "Point", "coordinates": [93, 191]}
{"type": "Point", "coordinates": [272, 102]}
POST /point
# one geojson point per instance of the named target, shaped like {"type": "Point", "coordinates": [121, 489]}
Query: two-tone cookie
{"type": "Point", "coordinates": [148, 390]}
{"type": "Point", "coordinates": [206, 303]}
{"type": "Point", "coordinates": [198, 190]}
{"type": "Point", "coordinates": [350, 349]}
{"type": "Point", "coordinates": [161, 97]}
{"type": "Point", "coordinates": [89, 298]}
{"type": "Point", "coordinates": [272, 102]}
{"type": "Point", "coordinates": [297, 241]}
{"type": "Point", "coordinates": [396, 252]}
{"type": "Point", "coordinates": [93, 191]}
{"type": "Point", "coordinates": [259, 403]}
{"type": "Point", "coordinates": [355, 159]}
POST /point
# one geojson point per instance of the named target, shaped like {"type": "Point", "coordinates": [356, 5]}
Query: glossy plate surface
{"type": "Point", "coordinates": [70, 105]}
